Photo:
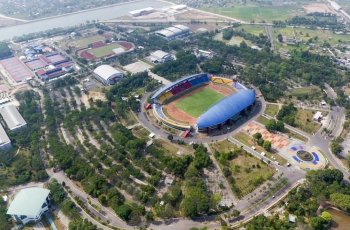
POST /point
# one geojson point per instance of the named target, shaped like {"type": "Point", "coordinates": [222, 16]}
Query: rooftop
{"type": "Point", "coordinates": [4, 139]}
{"type": "Point", "coordinates": [28, 202]}
{"type": "Point", "coordinates": [226, 109]}
{"type": "Point", "coordinates": [106, 71]}
{"type": "Point", "coordinates": [12, 117]}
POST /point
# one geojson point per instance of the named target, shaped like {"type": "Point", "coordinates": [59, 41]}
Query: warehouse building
{"type": "Point", "coordinates": [107, 74]}
{"type": "Point", "coordinates": [29, 205]}
{"type": "Point", "coordinates": [176, 31]}
{"type": "Point", "coordinates": [12, 117]}
{"type": "Point", "coordinates": [160, 56]}
{"type": "Point", "coordinates": [5, 142]}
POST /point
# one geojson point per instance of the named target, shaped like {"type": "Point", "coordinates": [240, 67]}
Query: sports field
{"type": "Point", "coordinates": [199, 102]}
{"type": "Point", "coordinates": [104, 50]}
{"type": "Point", "coordinates": [84, 42]}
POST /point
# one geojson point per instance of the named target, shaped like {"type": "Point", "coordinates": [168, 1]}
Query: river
{"type": "Point", "coordinates": [77, 18]}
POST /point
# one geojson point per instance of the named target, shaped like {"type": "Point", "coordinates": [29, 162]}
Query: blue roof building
{"type": "Point", "coordinates": [226, 109]}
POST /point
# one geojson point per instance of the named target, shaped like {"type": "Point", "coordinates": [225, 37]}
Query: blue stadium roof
{"type": "Point", "coordinates": [226, 109]}
{"type": "Point", "coordinates": [168, 86]}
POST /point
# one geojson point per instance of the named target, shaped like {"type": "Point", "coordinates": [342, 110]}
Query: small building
{"type": "Point", "coordinates": [29, 205]}
{"type": "Point", "coordinates": [176, 31]}
{"type": "Point", "coordinates": [5, 142]}
{"type": "Point", "coordinates": [317, 116]}
{"type": "Point", "coordinates": [160, 56]}
{"type": "Point", "coordinates": [292, 218]}
{"type": "Point", "coordinates": [12, 117]}
{"type": "Point", "coordinates": [107, 74]}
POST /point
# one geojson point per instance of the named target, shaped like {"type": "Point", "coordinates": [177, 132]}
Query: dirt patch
{"type": "Point", "coordinates": [318, 7]}
{"type": "Point", "coordinates": [180, 116]}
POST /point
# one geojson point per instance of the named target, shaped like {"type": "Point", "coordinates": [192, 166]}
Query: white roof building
{"type": "Point", "coordinates": [5, 141]}
{"type": "Point", "coordinates": [173, 32]}
{"type": "Point", "coordinates": [160, 56]}
{"type": "Point", "coordinates": [144, 11]}
{"type": "Point", "coordinates": [107, 74]}
{"type": "Point", "coordinates": [12, 117]}
{"type": "Point", "coordinates": [317, 116]}
{"type": "Point", "coordinates": [29, 205]}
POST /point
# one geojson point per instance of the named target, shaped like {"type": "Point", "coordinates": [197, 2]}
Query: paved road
{"type": "Point", "coordinates": [269, 33]}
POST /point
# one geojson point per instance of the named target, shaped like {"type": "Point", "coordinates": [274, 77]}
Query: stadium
{"type": "Point", "coordinates": [202, 103]}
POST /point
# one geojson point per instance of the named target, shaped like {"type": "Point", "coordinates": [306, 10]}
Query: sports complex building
{"type": "Point", "coordinates": [202, 102]}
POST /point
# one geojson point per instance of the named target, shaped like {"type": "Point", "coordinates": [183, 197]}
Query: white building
{"type": "Point", "coordinates": [29, 205]}
{"type": "Point", "coordinates": [173, 32]}
{"type": "Point", "coordinates": [140, 12]}
{"type": "Point", "coordinates": [12, 117]}
{"type": "Point", "coordinates": [107, 74]}
{"type": "Point", "coordinates": [160, 56]}
{"type": "Point", "coordinates": [318, 116]}
{"type": "Point", "coordinates": [5, 142]}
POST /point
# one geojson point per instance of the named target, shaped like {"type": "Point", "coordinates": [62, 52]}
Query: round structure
{"type": "Point", "coordinates": [201, 102]}
{"type": "Point", "coordinates": [107, 74]}
{"type": "Point", "coordinates": [304, 155]}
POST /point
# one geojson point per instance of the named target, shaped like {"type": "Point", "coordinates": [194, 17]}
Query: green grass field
{"type": "Point", "coordinates": [84, 42]}
{"type": "Point", "coordinates": [104, 50]}
{"type": "Point", "coordinates": [257, 13]}
{"type": "Point", "coordinates": [199, 102]}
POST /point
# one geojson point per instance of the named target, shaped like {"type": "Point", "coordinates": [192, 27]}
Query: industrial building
{"type": "Point", "coordinates": [29, 205]}
{"type": "Point", "coordinates": [5, 142]}
{"type": "Point", "coordinates": [12, 117]}
{"type": "Point", "coordinates": [160, 56]}
{"type": "Point", "coordinates": [140, 12]}
{"type": "Point", "coordinates": [107, 74]}
{"type": "Point", "coordinates": [176, 31]}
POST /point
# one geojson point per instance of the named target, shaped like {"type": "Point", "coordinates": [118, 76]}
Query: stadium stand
{"type": "Point", "coordinates": [159, 114]}
{"type": "Point", "coordinates": [226, 109]}
{"type": "Point", "coordinates": [221, 80]}
{"type": "Point", "coordinates": [180, 86]}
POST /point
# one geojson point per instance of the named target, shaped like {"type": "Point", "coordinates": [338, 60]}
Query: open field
{"type": "Point", "coordinates": [305, 34]}
{"type": "Point", "coordinates": [84, 42]}
{"type": "Point", "coordinates": [223, 146]}
{"type": "Point", "coordinates": [199, 102]}
{"type": "Point", "coordinates": [248, 140]}
{"type": "Point", "coordinates": [103, 50]}
{"type": "Point", "coordinates": [235, 40]}
{"type": "Point", "coordinates": [272, 109]}
{"type": "Point", "coordinates": [140, 132]}
{"type": "Point", "coordinates": [305, 91]}
{"type": "Point", "coordinates": [304, 121]}
{"type": "Point", "coordinates": [263, 120]}
{"type": "Point", "coordinates": [257, 13]}
{"type": "Point", "coordinates": [173, 149]}
{"type": "Point", "coordinates": [253, 29]}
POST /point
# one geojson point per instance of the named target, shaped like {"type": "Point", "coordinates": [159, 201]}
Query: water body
{"type": "Point", "coordinates": [341, 221]}
{"type": "Point", "coordinates": [77, 18]}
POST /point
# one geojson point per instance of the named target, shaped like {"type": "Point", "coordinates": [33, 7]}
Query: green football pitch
{"type": "Point", "coordinates": [104, 50]}
{"type": "Point", "coordinates": [199, 102]}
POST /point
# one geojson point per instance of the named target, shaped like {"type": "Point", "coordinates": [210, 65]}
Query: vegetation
{"type": "Point", "coordinates": [321, 186]}
{"type": "Point", "coordinates": [243, 171]}
{"type": "Point", "coordinates": [199, 102]}
{"type": "Point", "coordinates": [5, 225]}
{"type": "Point", "coordinates": [5, 51]}
{"type": "Point", "coordinates": [26, 165]}
{"type": "Point", "coordinates": [273, 125]}
{"type": "Point", "coordinates": [272, 109]}
{"type": "Point", "coordinates": [263, 222]}
{"type": "Point", "coordinates": [185, 64]}
{"type": "Point", "coordinates": [336, 146]}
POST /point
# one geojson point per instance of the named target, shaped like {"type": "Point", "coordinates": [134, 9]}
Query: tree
{"type": "Point", "coordinates": [341, 200]}
{"type": "Point", "coordinates": [257, 136]}
{"type": "Point", "coordinates": [318, 223]}
{"type": "Point", "coordinates": [267, 145]}
{"type": "Point", "coordinates": [280, 38]}
{"type": "Point", "coordinates": [327, 216]}
{"type": "Point", "coordinates": [124, 211]}
{"type": "Point", "coordinates": [336, 147]}
{"type": "Point", "coordinates": [81, 224]}
{"type": "Point", "coordinates": [170, 137]}
{"type": "Point", "coordinates": [271, 125]}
